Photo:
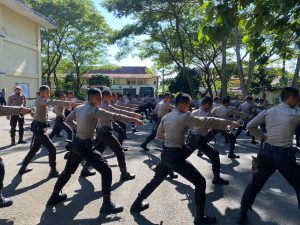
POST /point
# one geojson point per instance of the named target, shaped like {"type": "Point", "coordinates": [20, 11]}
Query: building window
{"type": "Point", "coordinates": [140, 82]}
{"type": "Point", "coordinates": [133, 82]}
{"type": "Point", "coordinates": [128, 82]}
{"type": "Point", "coordinates": [154, 82]}
{"type": "Point", "coordinates": [114, 82]}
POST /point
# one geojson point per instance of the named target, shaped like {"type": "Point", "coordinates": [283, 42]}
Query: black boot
{"type": "Point", "coordinates": [24, 170]}
{"type": "Point", "coordinates": [242, 215]}
{"type": "Point", "coordinates": [21, 141]}
{"type": "Point", "coordinates": [143, 146]}
{"type": "Point", "coordinates": [233, 156]}
{"type": "Point", "coordinates": [13, 142]}
{"type": "Point", "coordinates": [56, 198]}
{"type": "Point", "coordinates": [85, 172]}
{"type": "Point", "coordinates": [139, 205]}
{"type": "Point", "coordinates": [53, 173]}
{"type": "Point", "coordinates": [4, 202]}
{"type": "Point", "coordinates": [219, 181]}
{"type": "Point", "coordinates": [200, 218]}
{"type": "Point", "coordinates": [109, 207]}
{"type": "Point", "coordinates": [125, 175]}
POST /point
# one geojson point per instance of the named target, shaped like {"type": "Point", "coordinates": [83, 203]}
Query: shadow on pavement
{"type": "Point", "coordinates": [140, 219]}
{"type": "Point", "coordinates": [65, 214]}
{"type": "Point", "coordinates": [11, 188]}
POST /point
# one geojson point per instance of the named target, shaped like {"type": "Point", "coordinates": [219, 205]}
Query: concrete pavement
{"type": "Point", "coordinates": [171, 204]}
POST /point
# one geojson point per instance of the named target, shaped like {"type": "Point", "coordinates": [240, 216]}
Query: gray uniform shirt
{"type": "Point", "coordinates": [248, 108]}
{"type": "Point", "coordinates": [106, 122]}
{"type": "Point", "coordinates": [16, 100]}
{"type": "Point", "coordinates": [281, 122]}
{"type": "Point", "coordinates": [42, 104]}
{"type": "Point", "coordinates": [224, 112]}
{"type": "Point", "coordinates": [175, 124]}
{"type": "Point", "coordinates": [86, 117]}
{"type": "Point", "coordinates": [163, 108]}
{"type": "Point", "coordinates": [6, 110]}
{"type": "Point", "coordinates": [200, 113]}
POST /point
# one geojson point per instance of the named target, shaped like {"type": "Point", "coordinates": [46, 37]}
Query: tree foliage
{"type": "Point", "coordinates": [100, 80]}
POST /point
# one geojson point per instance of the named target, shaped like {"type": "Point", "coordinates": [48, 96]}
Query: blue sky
{"type": "Point", "coordinates": [116, 23]}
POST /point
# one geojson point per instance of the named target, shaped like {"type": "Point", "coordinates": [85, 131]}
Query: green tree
{"type": "Point", "coordinates": [81, 35]}
{"type": "Point", "coordinates": [100, 79]}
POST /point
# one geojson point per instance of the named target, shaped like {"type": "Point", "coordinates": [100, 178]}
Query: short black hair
{"type": "Point", "coordinates": [61, 94]}
{"type": "Point", "coordinates": [216, 98]}
{"type": "Point", "coordinates": [207, 100]}
{"type": "Point", "coordinates": [44, 88]}
{"type": "Point", "coordinates": [288, 92]}
{"type": "Point", "coordinates": [106, 93]}
{"type": "Point", "coordinates": [114, 94]}
{"type": "Point", "coordinates": [71, 92]}
{"type": "Point", "coordinates": [167, 95]}
{"type": "Point", "coordinates": [93, 92]}
{"type": "Point", "coordinates": [226, 101]}
{"type": "Point", "coordinates": [249, 98]}
{"type": "Point", "coordinates": [182, 98]}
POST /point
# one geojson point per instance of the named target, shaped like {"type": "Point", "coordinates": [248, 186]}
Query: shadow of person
{"type": "Point", "coordinates": [253, 218]}
{"type": "Point", "coordinates": [11, 188]}
{"type": "Point", "coordinates": [64, 214]}
{"type": "Point", "coordinates": [5, 147]}
{"type": "Point", "coordinates": [6, 222]}
{"type": "Point", "coordinates": [152, 160]}
{"type": "Point", "coordinates": [140, 219]}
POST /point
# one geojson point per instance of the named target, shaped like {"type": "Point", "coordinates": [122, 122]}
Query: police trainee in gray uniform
{"type": "Point", "coordinates": [118, 126]}
{"type": "Point", "coordinates": [7, 111]}
{"type": "Point", "coordinates": [39, 130]}
{"type": "Point", "coordinates": [17, 99]}
{"type": "Point", "coordinates": [248, 108]}
{"type": "Point", "coordinates": [60, 124]}
{"type": "Point", "coordinates": [224, 112]}
{"type": "Point", "coordinates": [171, 131]}
{"type": "Point", "coordinates": [85, 118]}
{"type": "Point", "coordinates": [106, 138]}
{"type": "Point", "coordinates": [161, 109]}
{"type": "Point", "coordinates": [199, 138]}
{"type": "Point", "coordinates": [278, 152]}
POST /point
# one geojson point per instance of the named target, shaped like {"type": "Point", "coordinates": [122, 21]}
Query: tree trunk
{"type": "Point", "coordinates": [48, 79]}
{"type": "Point", "coordinates": [296, 74]}
{"type": "Point", "coordinates": [78, 78]}
{"type": "Point", "coordinates": [251, 70]}
{"type": "Point", "coordinates": [239, 62]}
{"type": "Point", "coordinates": [224, 79]}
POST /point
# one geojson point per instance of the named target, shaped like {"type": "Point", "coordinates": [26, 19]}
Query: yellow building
{"type": "Point", "coordinates": [20, 46]}
{"type": "Point", "coordinates": [131, 80]}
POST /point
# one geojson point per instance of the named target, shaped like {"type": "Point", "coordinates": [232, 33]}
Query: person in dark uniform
{"type": "Point", "coordinates": [39, 129]}
{"type": "Point", "coordinates": [171, 131]}
{"type": "Point", "coordinates": [199, 138]}
{"type": "Point", "coordinates": [105, 136]}
{"type": "Point", "coordinates": [278, 152]}
{"type": "Point", "coordinates": [6, 111]}
{"type": "Point", "coordinates": [224, 111]}
{"type": "Point", "coordinates": [59, 124]}
{"type": "Point", "coordinates": [86, 117]}
{"type": "Point", "coordinates": [2, 97]}
{"type": "Point", "coordinates": [161, 109]}
{"type": "Point", "coordinates": [17, 99]}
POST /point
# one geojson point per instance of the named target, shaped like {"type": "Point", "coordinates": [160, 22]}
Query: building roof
{"type": "Point", "coordinates": [124, 72]}
{"type": "Point", "coordinates": [22, 9]}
